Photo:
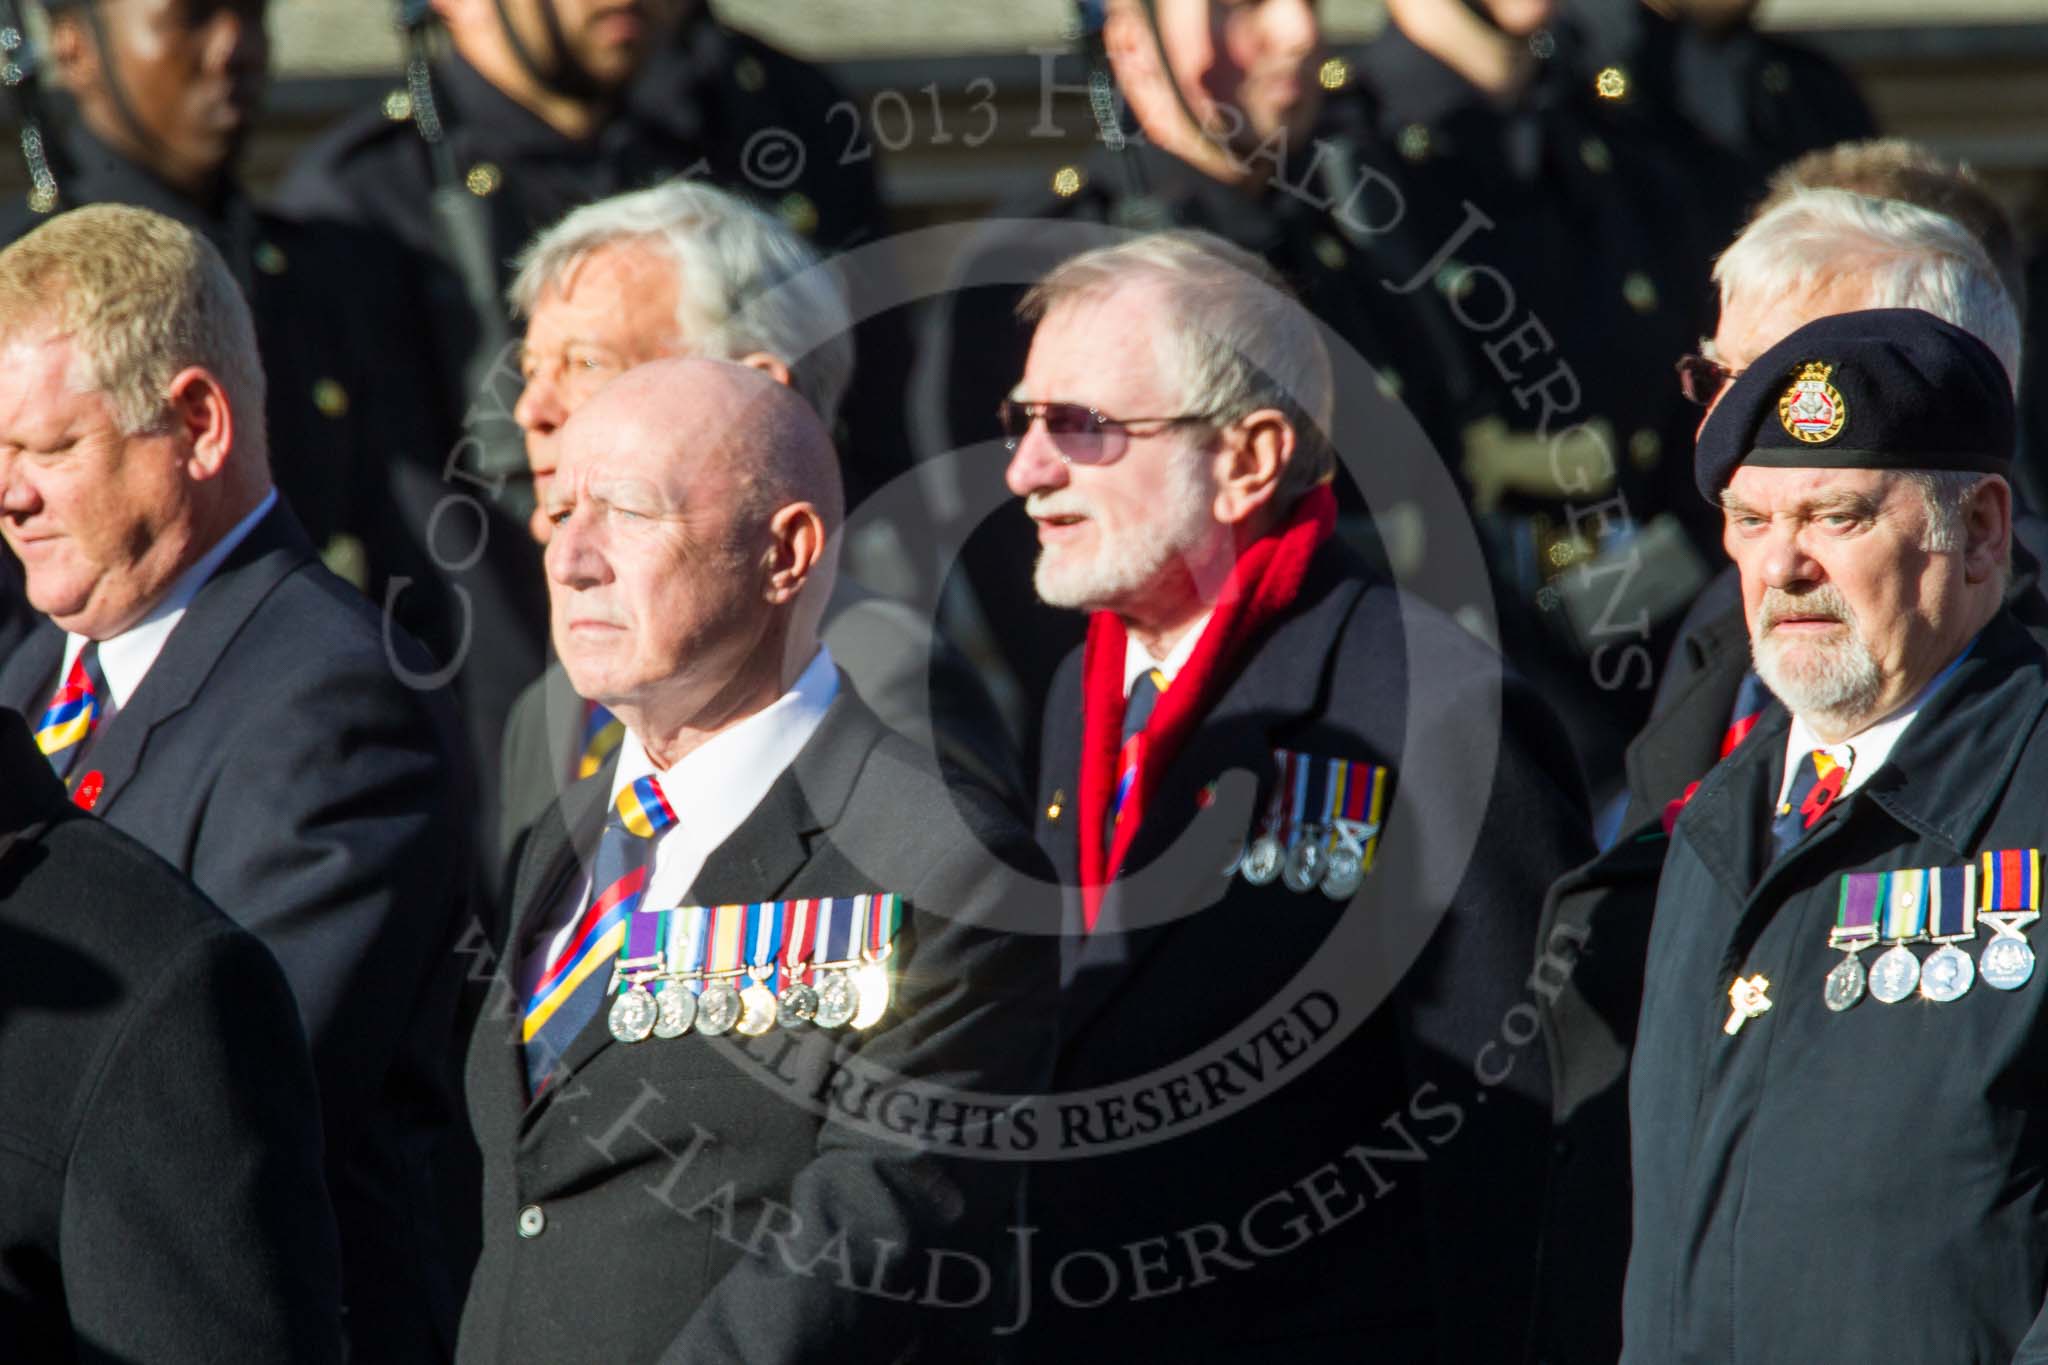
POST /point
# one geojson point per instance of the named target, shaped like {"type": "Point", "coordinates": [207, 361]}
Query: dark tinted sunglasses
{"type": "Point", "coordinates": [1700, 379]}
{"type": "Point", "coordinates": [1080, 434]}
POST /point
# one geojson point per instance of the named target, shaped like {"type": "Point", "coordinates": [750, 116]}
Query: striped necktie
{"type": "Point", "coordinates": [602, 734]}
{"type": "Point", "coordinates": [1137, 710]}
{"type": "Point", "coordinates": [1814, 789]}
{"type": "Point", "coordinates": [574, 983]}
{"type": "Point", "coordinates": [74, 712]}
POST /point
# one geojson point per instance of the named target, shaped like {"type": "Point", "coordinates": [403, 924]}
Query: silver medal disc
{"type": "Point", "coordinates": [838, 999]}
{"type": "Point", "coordinates": [2007, 962]}
{"type": "Point", "coordinates": [632, 1014]}
{"type": "Point", "coordinates": [1946, 974]}
{"type": "Point", "coordinates": [1262, 861]}
{"type": "Point", "coordinates": [796, 1006]}
{"type": "Point", "coordinates": [1305, 862]}
{"type": "Point", "coordinates": [675, 1010]}
{"type": "Point", "coordinates": [1894, 975]}
{"type": "Point", "coordinates": [1345, 875]}
{"type": "Point", "coordinates": [1845, 984]}
{"type": "Point", "coordinates": [718, 1008]}
{"type": "Point", "coordinates": [757, 1010]}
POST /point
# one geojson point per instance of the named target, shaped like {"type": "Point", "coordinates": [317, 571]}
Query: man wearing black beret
{"type": "Point", "coordinates": [1838, 1140]}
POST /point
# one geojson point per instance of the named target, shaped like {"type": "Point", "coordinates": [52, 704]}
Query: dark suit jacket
{"type": "Point", "coordinates": [160, 1187]}
{"type": "Point", "coordinates": [272, 756]}
{"type": "Point", "coordinates": [1416, 995]}
{"type": "Point", "coordinates": [662, 1169]}
{"type": "Point", "coordinates": [918, 683]}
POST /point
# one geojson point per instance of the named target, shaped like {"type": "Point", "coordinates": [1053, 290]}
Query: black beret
{"type": "Point", "coordinates": [1887, 388]}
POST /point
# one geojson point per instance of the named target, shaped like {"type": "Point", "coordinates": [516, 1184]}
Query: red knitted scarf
{"type": "Point", "coordinates": [1263, 583]}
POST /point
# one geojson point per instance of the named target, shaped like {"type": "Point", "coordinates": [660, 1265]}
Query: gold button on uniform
{"type": "Point", "coordinates": [1414, 142]}
{"type": "Point", "coordinates": [1611, 83]}
{"type": "Point", "coordinates": [484, 179]}
{"type": "Point", "coordinates": [1330, 251]}
{"type": "Point", "coordinates": [330, 398]}
{"type": "Point", "coordinates": [1640, 291]}
{"type": "Point", "coordinates": [270, 258]}
{"type": "Point", "coordinates": [1644, 448]}
{"type": "Point", "coordinates": [1066, 181]}
{"type": "Point", "coordinates": [748, 75]}
{"type": "Point", "coordinates": [1593, 151]}
{"type": "Point", "coordinates": [1335, 74]}
{"type": "Point", "coordinates": [799, 212]}
{"type": "Point", "coordinates": [397, 106]}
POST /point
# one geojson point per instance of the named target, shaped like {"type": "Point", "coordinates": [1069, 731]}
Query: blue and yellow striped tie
{"type": "Point", "coordinates": [602, 734]}
{"type": "Point", "coordinates": [573, 986]}
{"type": "Point", "coordinates": [71, 716]}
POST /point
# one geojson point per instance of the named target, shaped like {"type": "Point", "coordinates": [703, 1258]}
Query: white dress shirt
{"type": "Point", "coordinates": [1137, 658]}
{"type": "Point", "coordinates": [712, 790]}
{"type": "Point", "coordinates": [1870, 747]}
{"type": "Point", "coordinates": [126, 658]}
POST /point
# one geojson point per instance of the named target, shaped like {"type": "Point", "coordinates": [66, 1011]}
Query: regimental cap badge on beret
{"type": "Point", "coordinates": [1813, 410]}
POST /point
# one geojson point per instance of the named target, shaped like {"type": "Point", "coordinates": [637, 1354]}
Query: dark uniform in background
{"type": "Point", "coordinates": [1745, 101]}
{"type": "Point", "coordinates": [690, 111]}
{"type": "Point", "coordinates": [1571, 249]}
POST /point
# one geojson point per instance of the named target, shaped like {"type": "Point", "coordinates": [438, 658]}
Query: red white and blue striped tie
{"type": "Point", "coordinates": [572, 987]}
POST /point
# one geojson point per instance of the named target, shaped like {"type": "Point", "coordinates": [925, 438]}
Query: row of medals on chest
{"type": "Point", "coordinates": [2006, 963]}
{"type": "Point", "coordinates": [848, 994]}
{"type": "Point", "coordinates": [1305, 851]}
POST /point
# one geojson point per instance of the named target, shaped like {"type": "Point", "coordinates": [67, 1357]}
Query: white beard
{"type": "Point", "coordinates": [1836, 680]}
{"type": "Point", "coordinates": [1126, 567]}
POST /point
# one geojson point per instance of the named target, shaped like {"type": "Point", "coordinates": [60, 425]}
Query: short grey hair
{"type": "Point", "coordinates": [745, 281]}
{"type": "Point", "coordinates": [1246, 344]}
{"type": "Point", "coordinates": [1907, 256]}
{"type": "Point", "coordinates": [1948, 494]}
{"type": "Point", "coordinates": [142, 297]}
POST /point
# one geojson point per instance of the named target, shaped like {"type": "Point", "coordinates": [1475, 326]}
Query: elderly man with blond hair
{"type": "Point", "coordinates": [201, 682]}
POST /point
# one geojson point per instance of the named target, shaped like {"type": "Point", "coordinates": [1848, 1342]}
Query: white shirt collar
{"type": "Point", "coordinates": [1869, 747]}
{"type": "Point", "coordinates": [126, 658]}
{"type": "Point", "coordinates": [712, 790]}
{"type": "Point", "coordinates": [1137, 658]}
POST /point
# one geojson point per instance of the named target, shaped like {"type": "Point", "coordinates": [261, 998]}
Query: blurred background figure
{"type": "Point", "coordinates": [517, 112]}
{"type": "Point", "coordinates": [1704, 70]}
{"type": "Point", "coordinates": [163, 95]}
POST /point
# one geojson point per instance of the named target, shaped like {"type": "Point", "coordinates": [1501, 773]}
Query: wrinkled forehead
{"type": "Point", "coordinates": [1105, 350]}
{"type": "Point", "coordinates": [1763, 489]}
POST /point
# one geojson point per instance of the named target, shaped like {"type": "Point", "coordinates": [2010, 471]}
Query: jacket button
{"type": "Point", "coordinates": [532, 1222]}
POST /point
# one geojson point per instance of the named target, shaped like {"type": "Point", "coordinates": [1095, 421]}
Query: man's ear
{"type": "Point", "coordinates": [1253, 457]}
{"type": "Point", "coordinates": [74, 54]}
{"type": "Point", "coordinates": [796, 549]}
{"type": "Point", "coordinates": [772, 366]}
{"type": "Point", "coordinates": [1987, 530]}
{"type": "Point", "coordinates": [202, 417]}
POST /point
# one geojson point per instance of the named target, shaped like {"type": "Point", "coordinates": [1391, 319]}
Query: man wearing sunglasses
{"type": "Point", "coordinates": [1813, 252]}
{"type": "Point", "coordinates": [1252, 708]}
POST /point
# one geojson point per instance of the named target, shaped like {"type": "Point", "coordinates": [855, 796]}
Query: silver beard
{"type": "Point", "coordinates": [1836, 681]}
